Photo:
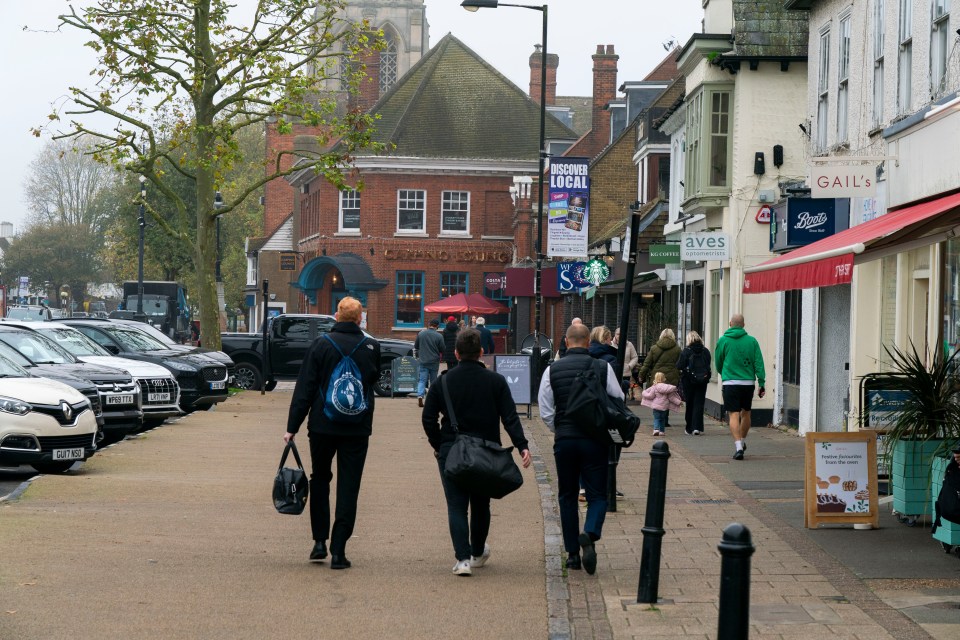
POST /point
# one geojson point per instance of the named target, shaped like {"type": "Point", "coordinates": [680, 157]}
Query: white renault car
{"type": "Point", "coordinates": [43, 423]}
{"type": "Point", "coordinates": [159, 391]}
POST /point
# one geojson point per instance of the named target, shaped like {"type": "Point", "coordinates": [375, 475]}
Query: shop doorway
{"type": "Point", "coordinates": [833, 358]}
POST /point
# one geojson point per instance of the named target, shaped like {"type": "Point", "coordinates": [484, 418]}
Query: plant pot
{"type": "Point", "coordinates": [948, 532]}
{"type": "Point", "coordinates": [910, 475]}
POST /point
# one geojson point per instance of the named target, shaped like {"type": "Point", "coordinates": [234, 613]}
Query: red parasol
{"type": "Point", "coordinates": [466, 303]}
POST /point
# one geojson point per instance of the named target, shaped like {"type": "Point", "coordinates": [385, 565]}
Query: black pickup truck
{"type": "Point", "coordinates": [289, 336]}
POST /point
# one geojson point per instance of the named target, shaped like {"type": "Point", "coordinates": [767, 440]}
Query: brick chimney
{"type": "Point", "coordinates": [604, 92]}
{"type": "Point", "coordinates": [553, 61]}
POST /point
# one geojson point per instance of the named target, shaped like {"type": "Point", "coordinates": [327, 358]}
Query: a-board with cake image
{"type": "Point", "coordinates": [841, 479]}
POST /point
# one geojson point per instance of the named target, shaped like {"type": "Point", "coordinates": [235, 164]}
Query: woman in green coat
{"type": "Point", "coordinates": [662, 358]}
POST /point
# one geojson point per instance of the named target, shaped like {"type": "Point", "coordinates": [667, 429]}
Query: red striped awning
{"type": "Point", "coordinates": [830, 261]}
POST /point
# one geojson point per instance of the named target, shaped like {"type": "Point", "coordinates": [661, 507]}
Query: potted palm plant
{"type": "Point", "coordinates": [926, 423]}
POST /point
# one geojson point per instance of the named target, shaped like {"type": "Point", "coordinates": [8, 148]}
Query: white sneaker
{"type": "Point", "coordinates": [479, 561]}
{"type": "Point", "coordinates": [462, 568]}
{"type": "Point", "coordinates": [696, 432]}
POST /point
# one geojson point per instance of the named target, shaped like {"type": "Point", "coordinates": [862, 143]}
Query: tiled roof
{"type": "Point", "coordinates": [667, 69]}
{"type": "Point", "coordinates": [453, 104]}
{"type": "Point", "coordinates": [766, 29]}
{"type": "Point", "coordinates": [582, 109]}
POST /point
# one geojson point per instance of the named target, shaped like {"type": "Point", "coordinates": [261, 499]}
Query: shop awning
{"type": "Point", "coordinates": [830, 261]}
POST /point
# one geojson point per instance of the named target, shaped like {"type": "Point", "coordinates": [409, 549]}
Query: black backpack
{"type": "Point", "coordinates": [602, 418]}
{"type": "Point", "coordinates": [948, 502]}
{"type": "Point", "coordinates": [699, 366]}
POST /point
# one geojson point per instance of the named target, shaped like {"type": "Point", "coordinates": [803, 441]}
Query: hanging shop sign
{"type": "Point", "coordinates": [664, 254]}
{"type": "Point", "coordinates": [596, 272]}
{"type": "Point", "coordinates": [571, 277]}
{"type": "Point", "coordinates": [569, 209]}
{"type": "Point", "coordinates": [802, 221]}
{"type": "Point", "coordinates": [842, 182]}
{"type": "Point", "coordinates": [494, 281]}
{"type": "Point", "coordinates": [763, 214]}
{"type": "Point", "coordinates": [704, 245]}
{"type": "Point", "coordinates": [288, 261]}
{"type": "Point", "coordinates": [841, 479]}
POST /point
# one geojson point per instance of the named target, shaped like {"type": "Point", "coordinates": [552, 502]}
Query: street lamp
{"type": "Point", "coordinates": [474, 5]}
{"type": "Point", "coordinates": [141, 222]}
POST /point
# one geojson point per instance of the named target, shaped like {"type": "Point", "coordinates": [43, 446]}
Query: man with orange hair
{"type": "Point", "coordinates": [329, 437]}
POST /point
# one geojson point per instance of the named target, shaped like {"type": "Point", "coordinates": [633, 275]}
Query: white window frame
{"type": "Point", "coordinates": [843, 78]}
{"type": "Point", "coordinates": [404, 197]}
{"type": "Point", "coordinates": [939, 46]}
{"type": "Point", "coordinates": [823, 91]}
{"type": "Point", "coordinates": [351, 197]}
{"type": "Point", "coordinates": [905, 58]}
{"type": "Point", "coordinates": [444, 195]}
{"type": "Point", "coordinates": [879, 25]}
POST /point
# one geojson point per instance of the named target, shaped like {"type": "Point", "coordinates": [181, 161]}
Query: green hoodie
{"type": "Point", "coordinates": [738, 356]}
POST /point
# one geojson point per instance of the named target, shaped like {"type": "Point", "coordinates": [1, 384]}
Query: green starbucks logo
{"type": "Point", "coordinates": [596, 272]}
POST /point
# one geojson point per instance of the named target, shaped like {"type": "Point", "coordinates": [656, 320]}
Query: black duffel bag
{"type": "Point", "coordinates": [602, 418]}
{"type": "Point", "coordinates": [479, 466]}
{"type": "Point", "coordinates": [290, 486]}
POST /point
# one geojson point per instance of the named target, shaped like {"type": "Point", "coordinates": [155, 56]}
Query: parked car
{"type": "Point", "coordinates": [151, 330]}
{"type": "Point", "coordinates": [119, 395]}
{"type": "Point", "coordinates": [43, 423]}
{"type": "Point", "coordinates": [159, 391]}
{"type": "Point", "coordinates": [203, 382]}
{"type": "Point", "coordinates": [288, 338]}
{"type": "Point", "coordinates": [30, 313]}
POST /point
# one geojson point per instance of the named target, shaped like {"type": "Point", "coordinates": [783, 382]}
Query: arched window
{"type": "Point", "coordinates": [388, 65]}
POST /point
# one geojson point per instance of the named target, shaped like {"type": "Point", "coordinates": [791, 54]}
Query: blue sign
{"type": "Point", "coordinates": [570, 277]}
{"type": "Point", "coordinates": [883, 407]}
{"type": "Point", "coordinates": [804, 221]}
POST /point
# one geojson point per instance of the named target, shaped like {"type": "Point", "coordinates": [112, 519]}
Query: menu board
{"type": "Point", "coordinates": [841, 479]}
{"type": "Point", "coordinates": [516, 369]}
{"type": "Point", "coordinates": [405, 374]}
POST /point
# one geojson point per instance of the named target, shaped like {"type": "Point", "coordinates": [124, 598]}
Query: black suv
{"type": "Point", "coordinates": [203, 382]}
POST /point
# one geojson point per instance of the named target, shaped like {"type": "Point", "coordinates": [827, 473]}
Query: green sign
{"type": "Point", "coordinates": [664, 254]}
{"type": "Point", "coordinates": [596, 272]}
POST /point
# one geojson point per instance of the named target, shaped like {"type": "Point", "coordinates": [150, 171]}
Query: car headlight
{"type": "Point", "coordinates": [14, 406]}
{"type": "Point", "coordinates": [180, 366]}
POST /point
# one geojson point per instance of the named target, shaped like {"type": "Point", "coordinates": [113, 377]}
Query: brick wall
{"type": "Point", "coordinates": [279, 195]}
{"type": "Point", "coordinates": [553, 61]}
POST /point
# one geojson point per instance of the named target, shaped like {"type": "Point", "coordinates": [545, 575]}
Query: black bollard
{"type": "Point", "coordinates": [735, 547]}
{"type": "Point", "coordinates": [653, 524]}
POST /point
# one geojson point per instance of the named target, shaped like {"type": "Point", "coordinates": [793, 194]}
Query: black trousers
{"type": "Point", "coordinates": [468, 539]}
{"type": "Point", "coordinates": [695, 396]}
{"type": "Point", "coordinates": [351, 453]}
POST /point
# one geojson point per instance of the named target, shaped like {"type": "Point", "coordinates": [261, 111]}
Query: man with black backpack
{"type": "Point", "coordinates": [335, 388]}
{"type": "Point", "coordinates": [695, 372]}
{"type": "Point", "coordinates": [579, 457]}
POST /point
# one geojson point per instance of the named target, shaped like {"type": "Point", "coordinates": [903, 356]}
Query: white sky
{"type": "Point", "coordinates": [38, 65]}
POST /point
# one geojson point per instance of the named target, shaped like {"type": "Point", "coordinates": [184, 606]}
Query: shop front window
{"type": "Point", "coordinates": [409, 299]}
{"type": "Point", "coordinates": [453, 282]}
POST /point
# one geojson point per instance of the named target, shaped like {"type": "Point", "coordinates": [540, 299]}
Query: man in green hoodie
{"type": "Point", "coordinates": [739, 362]}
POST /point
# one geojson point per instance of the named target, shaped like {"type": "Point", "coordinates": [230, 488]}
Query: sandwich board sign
{"type": "Point", "coordinates": [841, 479]}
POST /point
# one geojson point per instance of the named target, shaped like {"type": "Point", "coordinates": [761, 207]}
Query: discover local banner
{"type": "Point", "coordinates": [569, 212]}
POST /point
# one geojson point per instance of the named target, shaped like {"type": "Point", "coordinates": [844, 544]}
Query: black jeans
{"type": "Point", "coordinates": [694, 394]}
{"type": "Point", "coordinates": [468, 540]}
{"type": "Point", "coordinates": [581, 460]}
{"type": "Point", "coordinates": [351, 453]}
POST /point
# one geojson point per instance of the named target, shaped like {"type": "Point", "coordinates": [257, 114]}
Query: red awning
{"type": "Point", "coordinates": [830, 261]}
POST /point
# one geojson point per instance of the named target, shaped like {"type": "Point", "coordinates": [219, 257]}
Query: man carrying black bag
{"type": "Point", "coordinates": [579, 457]}
{"type": "Point", "coordinates": [335, 387]}
{"type": "Point", "coordinates": [480, 400]}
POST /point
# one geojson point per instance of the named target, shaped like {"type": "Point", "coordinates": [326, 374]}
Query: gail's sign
{"type": "Point", "coordinates": [704, 245]}
{"type": "Point", "coordinates": [843, 182]}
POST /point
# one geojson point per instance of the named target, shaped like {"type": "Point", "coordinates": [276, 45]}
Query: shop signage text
{"type": "Point", "coordinates": [664, 254]}
{"type": "Point", "coordinates": [570, 277]}
{"type": "Point", "coordinates": [842, 182]}
{"type": "Point", "coordinates": [444, 256]}
{"type": "Point", "coordinates": [288, 261]}
{"type": "Point", "coordinates": [704, 245]}
{"type": "Point", "coordinates": [494, 281]}
{"type": "Point", "coordinates": [569, 207]}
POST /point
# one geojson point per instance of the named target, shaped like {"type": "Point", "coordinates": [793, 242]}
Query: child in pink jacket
{"type": "Point", "coordinates": [661, 397]}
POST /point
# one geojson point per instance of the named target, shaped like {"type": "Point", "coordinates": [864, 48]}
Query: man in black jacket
{"type": "Point", "coordinates": [481, 400]}
{"type": "Point", "coordinates": [347, 441]}
{"type": "Point", "coordinates": [579, 459]}
{"type": "Point", "coordinates": [450, 342]}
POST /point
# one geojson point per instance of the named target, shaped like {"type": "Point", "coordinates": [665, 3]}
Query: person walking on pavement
{"type": "Point", "coordinates": [661, 397]}
{"type": "Point", "coordinates": [450, 331]}
{"type": "Point", "coordinates": [348, 441]}
{"type": "Point", "coordinates": [630, 360]}
{"type": "Point", "coordinates": [428, 348]}
{"type": "Point", "coordinates": [695, 372]}
{"type": "Point", "coordinates": [579, 458]}
{"type": "Point", "coordinates": [662, 358]}
{"type": "Point", "coordinates": [739, 362]}
{"type": "Point", "coordinates": [486, 336]}
{"type": "Point", "coordinates": [600, 347]}
{"type": "Point", "coordinates": [482, 400]}
{"type": "Point", "coordinates": [562, 351]}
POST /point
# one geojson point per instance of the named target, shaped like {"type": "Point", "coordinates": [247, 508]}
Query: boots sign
{"type": "Point", "coordinates": [704, 245]}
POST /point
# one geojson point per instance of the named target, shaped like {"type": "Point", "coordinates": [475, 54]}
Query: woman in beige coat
{"type": "Point", "coordinates": [629, 362]}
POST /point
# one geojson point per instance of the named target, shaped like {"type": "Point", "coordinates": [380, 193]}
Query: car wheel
{"type": "Point", "coordinates": [271, 385]}
{"type": "Point", "coordinates": [384, 383]}
{"type": "Point", "coordinates": [59, 466]}
{"type": "Point", "coordinates": [247, 376]}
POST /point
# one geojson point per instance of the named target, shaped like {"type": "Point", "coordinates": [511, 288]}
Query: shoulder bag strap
{"type": "Point", "coordinates": [334, 343]}
{"type": "Point", "coordinates": [291, 446]}
{"type": "Point", "coordinates": [449, 404]}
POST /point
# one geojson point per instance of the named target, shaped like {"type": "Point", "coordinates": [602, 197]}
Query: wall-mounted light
{"type": "Point", "coordinates": [273, 296]}
{"type": "Point", "coordinates": [334, 278]}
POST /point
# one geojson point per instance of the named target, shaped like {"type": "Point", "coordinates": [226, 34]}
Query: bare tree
{"type": "Point", "coordinates": [180, 81]}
